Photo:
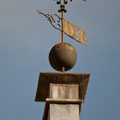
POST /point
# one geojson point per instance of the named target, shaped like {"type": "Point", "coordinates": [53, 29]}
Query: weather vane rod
{"type": "Point", "coordinates": [62, 10]}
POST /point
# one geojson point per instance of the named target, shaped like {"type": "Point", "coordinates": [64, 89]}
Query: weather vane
{"type": "Point", "coordinates": [64, 63]}
{"type": "Point", "coordinates": [63, 92]}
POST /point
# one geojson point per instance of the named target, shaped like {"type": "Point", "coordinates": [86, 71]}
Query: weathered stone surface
{"type": "Point", "coordinates": [64, 112]}
{"type": "Point", "coordinates": [64, 91]}
{"type": "Point", "coordinates": [63, 102]}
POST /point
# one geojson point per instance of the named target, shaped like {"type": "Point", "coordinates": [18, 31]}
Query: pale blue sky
{"type": "Point", "coordinates": [26, 39]}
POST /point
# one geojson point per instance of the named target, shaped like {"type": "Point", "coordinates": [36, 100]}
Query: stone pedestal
{"type": "Point", "coordinates": [63, 93]}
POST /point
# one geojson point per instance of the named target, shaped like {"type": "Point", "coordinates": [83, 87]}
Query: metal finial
{"type": "Point", "coordinates": [62, 4]}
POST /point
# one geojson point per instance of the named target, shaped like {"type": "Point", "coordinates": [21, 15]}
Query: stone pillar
{"type": "Point", "coordinates": [63, 110]}
{"type": "Point", "coordinates": [63, 93]}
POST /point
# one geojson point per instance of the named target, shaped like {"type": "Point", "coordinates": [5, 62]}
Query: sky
{"type": "Point", "coordinates": [26, 39]}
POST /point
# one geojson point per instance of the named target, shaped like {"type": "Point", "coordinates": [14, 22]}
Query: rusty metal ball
{"type": "Point", "coordinates": [62, 55]}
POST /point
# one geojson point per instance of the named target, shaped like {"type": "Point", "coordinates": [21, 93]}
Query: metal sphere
{"type": "Point", "coordinates": [62, 55]}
